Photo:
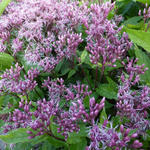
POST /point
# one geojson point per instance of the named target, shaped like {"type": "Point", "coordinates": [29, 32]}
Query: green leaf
{"type": "Point", "coordinates": [84, 56]}
{"type": "Point", "coordinates": [75, 137]}
{"type": "Point", "coordinates": [6, 110]}
{"type": "Point", "coordinates": [22, 146]}
{"type": "Point", "coordinates": [65, 68]}
{"type": "Point", "coordinates": [132, 132]}
{"type": "Point", "coordinates": [106, 90]}
{"type": "Point", "coordinates": [79, 146]}
{"type": "Point", "coordinates": [59, 65]}
{"type": "Point", "coordinates": [71, 73]}
{"type": "Point", "coordinates": [103, 116]}
{"type": "Point", "coordinates": [38, 139]}
{"type": "Point", "coordinates": [56, 143]}
{"type": "Point", "coordinates": [15, 136]}
{"type": "Point", "coordinates": [116, 121]}
{"type": "Point", "coordinates": [144, 1]}
{"type": "Point", "coordinates": [1, 101]}
{"type": "Point", "coordinates": [140, 38]}
{"type": "Point", "coordinates": [143, 59]}
{"type": "Point", "coordinates": [133, 20]}
{"type": "Point", "coordinates": [47, 146]}
{"type": "Point", "coordinates": [3, 5]}
{"type": "Point", "coordinates": [5, 61]}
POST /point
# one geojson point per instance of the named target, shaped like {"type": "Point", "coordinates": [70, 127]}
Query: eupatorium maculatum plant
{"type": "Point", "coordinates": [67, 79]}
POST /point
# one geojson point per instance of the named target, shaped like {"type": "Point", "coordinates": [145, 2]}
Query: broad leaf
{"type": "Point", "coordinates": [5, 61]}
{"type": "Point", "coordinates": [84, 56]}
{"type": "Point", "coordinates": [140, 38]}
{"type": "Point", "coordinates": [56, 143]}
{"type": "Point", "coordinates": [79, 146]}
{"type": "Point", "coordinates": [106, 90]}
{"type": "Point", "coordinates": [15, 136]}
{"type": "Point", "coordinates": [3, 5]}
{"type": "Point", "coordinates": [77, 137]}
{"type": "Point", "coordinates": [133, 20]}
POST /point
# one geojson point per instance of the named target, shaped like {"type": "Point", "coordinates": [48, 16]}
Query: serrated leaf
{"type": "Point", "coordinates": [15, 136]}
{"type": "Point", "coordinates": [79, 146]}
{"type": "Point", "coordinates": [47, 146]}
{"type": "Point", "coordinates": [75, 137]}
{"type": "Point", "coordinates": [5, 61]}
{"type": "Point", "coordinates": [143, 59]}
{"type": "Point", "coordinates": [38, 140]}
{"type": "Point", "coordinates": [22, 146]}
{"type": "Point", "coordinates": [3, 5]}
{"type": "Point", "coordinates": [140, 38]}
{"type": "Point", "coordinates": [56, 143]}
{"type": "Point", "coordinates": [106, 90]}
{"type": "Point", "coordinates": [133, 20]}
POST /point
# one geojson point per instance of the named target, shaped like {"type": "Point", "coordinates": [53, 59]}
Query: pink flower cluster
{"type": "Point", "coordinates": [12, 82]}
{"type": "Point", "coordinates": [133, 104]}
{"type": "Point", "coordinates": [106, 136]}
{"type": "Point", "coordinates": [65, 116]}
{"type": "Point", "coordinates": [103, 41]}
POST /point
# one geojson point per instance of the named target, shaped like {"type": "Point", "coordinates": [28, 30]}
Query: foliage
{"type": "Point", "coordinates": [74, 75]}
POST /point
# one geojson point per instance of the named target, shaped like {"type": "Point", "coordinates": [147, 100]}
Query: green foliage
{"type": "Point", "coordinates": [143, 59]}
{"type": "Point", "coordinates": [15, 136]}
{"type": "Point", "coordinates": [140, 38]}
{"type": "Point", "coordinates": [79, 146]}
{"type": "Point", "coordinates": [144, 1]}
{"type": "Point", "coordinates": [3, 5]}
{"type": "Point", "coordinates": [103, 116]}
{"type": "Point", "coordinates": [6, 61]}
{"type": "Point", "coordinates": [108, 90]}
{"type": "Point", "coordinates": [79, 69]}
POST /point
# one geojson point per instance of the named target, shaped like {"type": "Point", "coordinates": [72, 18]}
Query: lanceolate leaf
{"type": "Point", "coordinates": [3, 5]}
{"type": "Point", "coordinates": [15, 136]}
{"type": "Point", "coordinates": [5, 61]}
{"type": "Point", "coordinates": [140, 38]}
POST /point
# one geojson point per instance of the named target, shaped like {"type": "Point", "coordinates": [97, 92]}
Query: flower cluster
{"type": "Point", "coordinates": [66, 119]}
{"type": "Point", "coordinates": [103, 40]}
{"type": "Point", "coordinates": [146, 13]}
{"type": "Point", "coordinates": [78, 110]}
{"type": "Point", "coordinates": [11, 81]}
{"type": "Point", "coordinates": [105, 136]}
{"type": "Point", "coordinates": [46, 34]}
{"type": "Point", "coordinates": [50, 33]}
{"type": "Point", "coordinates": [133, 104]}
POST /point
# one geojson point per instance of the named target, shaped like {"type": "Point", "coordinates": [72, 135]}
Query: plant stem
{"type": "Point", "coordinates": [147, 27]}
{"type": "Point", "coordinates": [57, 138]}
{"type": "Point", "coordinates": [96, 76]}
{"type": "Point", "coordinates": [102, 72]}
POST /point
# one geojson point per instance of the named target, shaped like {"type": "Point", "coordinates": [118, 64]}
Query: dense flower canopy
{"type": "Point", "coordinates": [70, 65]}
